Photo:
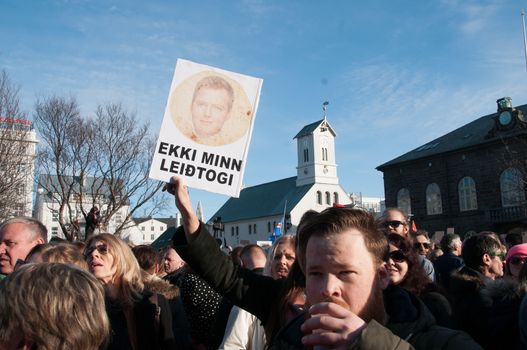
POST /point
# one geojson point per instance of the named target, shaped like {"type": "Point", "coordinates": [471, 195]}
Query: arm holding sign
{"type": "Point", "coordinates": [252, 292]}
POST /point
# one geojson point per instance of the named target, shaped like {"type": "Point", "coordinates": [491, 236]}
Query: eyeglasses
{"type": "Point", "coordinates": [101, 249]}
{"type": "Point", "coordinates": [393, 223]}
{"type": "Point", "coordinates": [397, 256]}
{"type": "Point", "coordinates": [500, 255]}
{"type": "Point", "coordinates": [517, 260]}
{"type": "Point", "coordinates": [418, 245]}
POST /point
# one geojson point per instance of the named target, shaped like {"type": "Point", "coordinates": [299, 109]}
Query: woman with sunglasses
{"type": "Point", "coordinates": [405, 270]}
{"type": "Point", "coordinates": [139, 319]}
{"type": "Point", "coordinates": [515, 259]}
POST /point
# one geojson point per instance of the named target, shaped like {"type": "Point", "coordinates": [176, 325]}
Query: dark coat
{"type": "Point", "coordinates": [180, 324]}
{"type": "Point", "coordinates": [470, 308]}
{"type": "Point", "coordinates": [153, 332]}
{"type": "Point", "coordinates": [503, 321]}
{"type": "Point", "coordinates": [444, 266]}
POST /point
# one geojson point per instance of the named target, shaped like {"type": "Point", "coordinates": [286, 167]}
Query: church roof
{"type": "Point", "coordinates": [263, 200]}
{"type": "Point", "coordinates": [469, 135]}
{"type": "Point", "coordinates": [310, 128]}
{"type": "Point", "coordinates": [165, 240]}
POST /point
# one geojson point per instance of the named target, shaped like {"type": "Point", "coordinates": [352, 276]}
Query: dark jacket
{"type": "Point", "coordinates": [411, 320]}
{"type": "Point", "coordinates": [470, 308]}
{"type": "Point", "coordinates": [153, 324]}
{"type": "Point", "coordinates": [444, 266]}
{"type": "Point", "coordinates": [180, 324]}
{"type": "Point", "coordinates": [503, 321]}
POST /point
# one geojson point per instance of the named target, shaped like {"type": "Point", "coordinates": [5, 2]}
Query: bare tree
{"type": "Point", "coordinates": [101, 162]}
{"type": "Point", "coordinates": [17, 145]}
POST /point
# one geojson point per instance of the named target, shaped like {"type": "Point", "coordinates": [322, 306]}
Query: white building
{"type": "Point", "coordinates": [374, 205]}
{"type": "Point", "coordinates": [18, 142]}
{"type": "Point", "coordinates": [47, 206]}
{"type": "Point", "coordinates": [253, 216]}
{"type": "Point", "coordinates": [149, 229]}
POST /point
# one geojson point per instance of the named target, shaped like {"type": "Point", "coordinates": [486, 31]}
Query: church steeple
{"type": "Point", "coordinates": [316, 153]}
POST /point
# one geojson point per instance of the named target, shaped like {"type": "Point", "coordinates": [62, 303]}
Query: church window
{"type": "Point", "coordinates": [324, 153]}
{"type": "Point", "coordinates": [335, 198]}
{"type": "Point", "coordinates": [433, 199]}
{"type": "Point", "coordinates": [232, 231]}
{"type": "Point", "coordinates": [306, 155]}
{"type": "Point", "coordinates": [328, 198]}
{"type": "Point", "coordinates": [250, 229]}
{"type": "Point", "coordinates": [403, 200]}
{"type": "Point", "coordinates": [319, 197]}
{"type": "Point", "coordinates": [467, 194]}
{"type": "Point", "coordinates": [254, 228]}
{"type": "Point", "coordinates": [512, 188]}
{"type": "Point", "coordinates": [269, 226]}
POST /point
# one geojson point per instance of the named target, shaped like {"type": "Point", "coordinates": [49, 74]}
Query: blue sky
{"type": "Point", "coordinates": [397, 74]}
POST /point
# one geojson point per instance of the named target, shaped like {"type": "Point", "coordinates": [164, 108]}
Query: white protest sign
{"type": "Point", "coordinates": [207, 128]}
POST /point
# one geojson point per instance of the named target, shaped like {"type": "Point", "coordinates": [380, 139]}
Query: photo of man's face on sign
{"type": "Point", "coordinates": [211, 109]}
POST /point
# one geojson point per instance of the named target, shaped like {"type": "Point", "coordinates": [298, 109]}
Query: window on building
{"type": "Point", "coordinates": [306, 155]}
{"type": "Point", "coordinates": [403, 200]}
{"type": "Point", "coordinates": [328, 198]}
{"type": "Point", "coordinates": [54, 231]}
{"type": "Point", "coordinates": [161, 228]}
{"type": "Point", "coordinates": [232, 231]}
{"type": "Point", "coordinates": [319, 197]}
{"type": "Point", "coordinates": [324, 153]}
{"type": "Point", "coordinates": [151, 228]}
{"type": "Point", "coordinates": [55, 215]}
{"type": "Point", "coordinates": [512, 188]}
{"type": "Point", "coordinates": [19, 210]}
{"type": "Point", "coordinates": [250, 229]}
{"type": "Point", "coordinates": [467, 194]}
{"type": "Point", "coordinates": [144, 237]}
{"type": "Point", "coordinates": [152, 237]}
{"type": "Point", "coordinates": [142, 228]}
{"type": "Point", "coordinates": [335, 198]}
{"type": "Point", "coordinates": [434, 205]}
{"type": "Point", "coordinates": [237, 231]}
{"type": "Point", "coordinates": [20, 190]}
{"type": "Point", "coordinates": [254, 228]}
{"type": "Point", "coordinates": [268, 226]}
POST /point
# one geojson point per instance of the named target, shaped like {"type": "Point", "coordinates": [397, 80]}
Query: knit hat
{"type": "Point", "coordinates": [519, 249]}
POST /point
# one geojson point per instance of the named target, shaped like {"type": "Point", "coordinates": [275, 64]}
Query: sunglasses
{"type": "Point", "coordinates": [517, 260]}
{"type": "Point", "coordinates": [418, 245]}
{"type": "Point", "coordinates": [393, 223]}
{"type": "Point", "coordinates": [500, 255]}
{"type": "Point", "coordinates": [101, 249]}
{"type": "Point", "coordinates": [397, 256]}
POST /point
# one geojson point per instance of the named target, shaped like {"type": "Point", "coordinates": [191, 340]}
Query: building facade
{"type": "Point", "coordinates": [18, 143]}
{"type": "Point", "coordinates": [253, 216]}
{"type": "Point", "coordinates": [48, 203]}
{"type": "Point", "coordinates": [469, 180]}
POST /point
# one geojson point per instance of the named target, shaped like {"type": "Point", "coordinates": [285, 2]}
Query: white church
{"type": "Point", "coordinates": [253, 216]}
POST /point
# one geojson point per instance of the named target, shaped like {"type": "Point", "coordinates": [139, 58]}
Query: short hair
{"type": "Point", "coordinates": [36, 226]}
{"type": "Point", "coordinates": [38, 249]}
{"type": "Point", "coordinates": [65, 253]}
{"type": "Point", "coordinates": [333, 221]}
{"type": "Point", "coordinates": [127, 271]}
{"type": "Point", "coordinates": [146, 256]}
{"type": "Point", "coordinates": [475, 247]}
{"type": "Point", "coordinates": [235, 255]}
{"type": "Point", "coordinates": [513, 239]}
{"type": "Point", "coordinates": [421, 233]}
{"type": "Point", "coordinates": [217, 83]}
{"type": "Point", "coordinates": [448, 242]}
{"type": "Point", "coordinates": [248, 249]}
{"type": "Point", "coordinates": [54, 306]}
{"type": "Point", "coordinates": [398, 210]}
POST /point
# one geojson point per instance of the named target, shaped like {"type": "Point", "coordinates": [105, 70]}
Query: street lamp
{"type": "Point", "coordinates": [217, 227]}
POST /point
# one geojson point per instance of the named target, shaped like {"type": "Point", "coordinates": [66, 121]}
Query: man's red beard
{"type": "Point", "coordinates": [374, 308]}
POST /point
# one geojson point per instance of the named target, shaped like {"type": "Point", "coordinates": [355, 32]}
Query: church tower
{"type": "Point", "coordinates": [316, 153]}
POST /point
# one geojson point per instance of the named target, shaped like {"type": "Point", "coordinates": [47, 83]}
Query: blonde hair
{"type": "Point", "coordinates": [289, 240]}
{"type": "Point", "coordinates": [53, 307]}
{"type": "Point", "coordinates": [65, 253]}
{"type": "Point", "coordinates": [127, 274]}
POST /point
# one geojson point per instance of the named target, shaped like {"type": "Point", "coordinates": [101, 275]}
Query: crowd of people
{"type": "Point", "coordinates": [346, 280]}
